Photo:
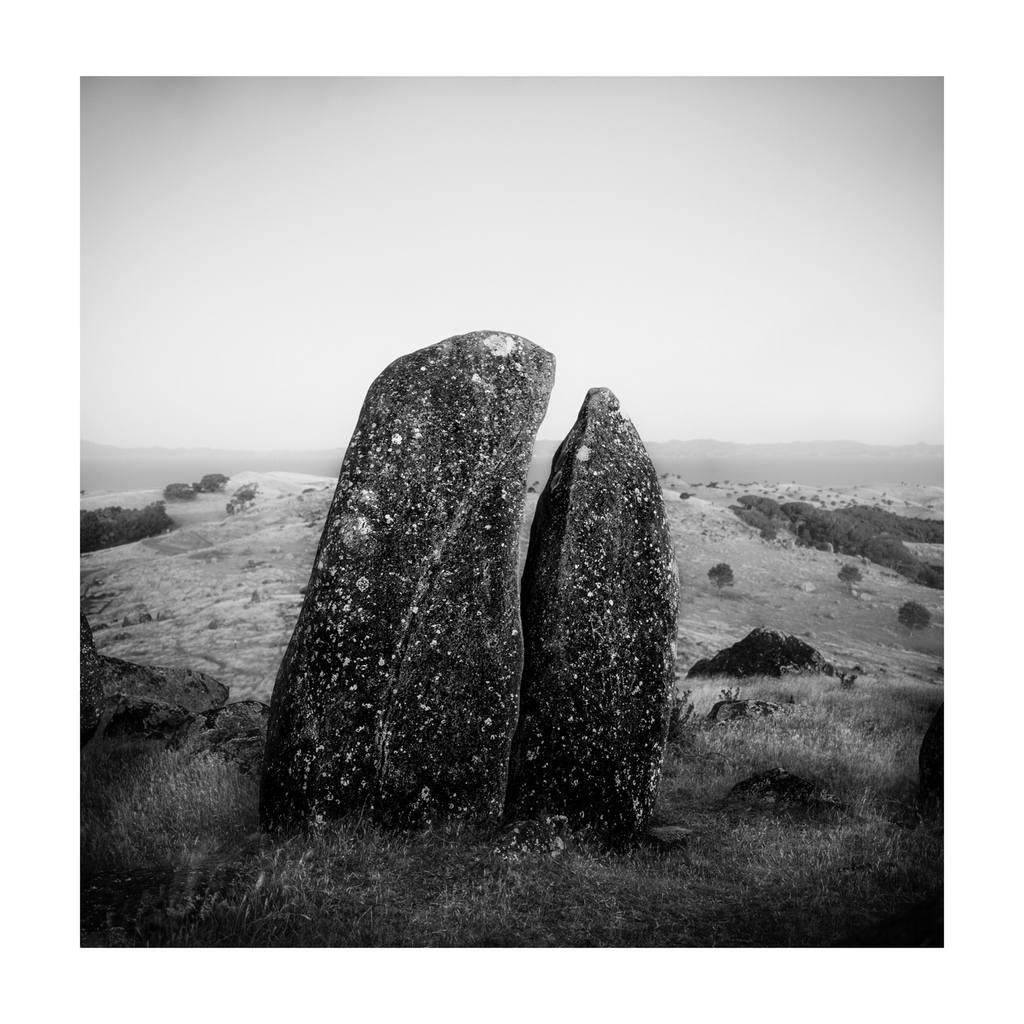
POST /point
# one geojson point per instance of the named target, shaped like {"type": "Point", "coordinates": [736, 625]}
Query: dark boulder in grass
{"type": "Point", "coordinates": [91, 695]}
{"type": "Point", "coordinates": [930, 760]}
{"type": "Point", "coordinates": [774, 785]}
{"type": "Point", "coordinates": [235, 733]}
{"type": "Point", "coordinates": [734, 710]}
{"type": "Point", "coordinates": [763, 652]}
{"type": "Point", "coordinates": [143, 700]}
{"type": "Point", "coordinates": [599, 598]}
{"type": "Point", "coordinates": [398, 692]}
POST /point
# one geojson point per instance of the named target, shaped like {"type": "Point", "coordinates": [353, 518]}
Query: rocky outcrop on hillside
{"type": "Point", "coordinates": [599, 599]}
{"type": "Point", "coordinates": [399, 689]}
{"type": "Point", "coordinates": [141, 699]}
{"type": "Point", "coordinates": [763, 652]}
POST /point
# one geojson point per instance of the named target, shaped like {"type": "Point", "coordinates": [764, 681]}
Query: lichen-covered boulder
{"type": "Point", "coordinates": [599, 597]}
{"type": "Point", "coordinates": [91, 696]}
{"type": "Point", "coordinates": [398, 692]}
{"type": "Point", "coordinates": [930, 760]}
{"type": "Point", "coordinates": [154, 700]}
{"type": "Point", "coordinates": [734, 710]}
{"type": "Point", "coordinates": [763, 652]}
{"type": "Point", "coordinates": [235, 733]}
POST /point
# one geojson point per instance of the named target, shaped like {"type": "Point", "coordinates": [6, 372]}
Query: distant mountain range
{"type": "Point", "coordinates": [662, 450]}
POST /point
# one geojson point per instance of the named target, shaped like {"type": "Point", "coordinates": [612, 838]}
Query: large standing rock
{"type": "Point", "coordinates": [763, 652]}
{"type": "Point", "coordinates": [398, 691]}
{"type": "Point", "coordinates": [599, 615]}
{"type": "Point", "coordinates": [141, 699]}
{"type": "Point", "coordinates": [930, 760]}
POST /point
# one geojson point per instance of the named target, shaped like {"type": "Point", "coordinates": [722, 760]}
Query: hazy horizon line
{"type": "Point", "coordinates": [539, 440]}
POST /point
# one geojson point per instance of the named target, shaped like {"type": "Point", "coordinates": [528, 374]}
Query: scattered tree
{"type": "Point", "coordinates": [211, 483]}
{"type": "Point", "coordinates": [108, 527]}
{"type": "Point", "coordinates": [721, 575]}
{"type": "Point", "coordinates": [243, 498]}
{"type": "Point", "coordinates": [179, 492]}
{"type": "Point", "coordinates": [850, 574]}
{"type": "Point", "coordinates": [914, 616]}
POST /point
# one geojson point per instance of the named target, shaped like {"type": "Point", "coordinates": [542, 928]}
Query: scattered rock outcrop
{"type": "Point", "coordinates": [144, 700]}
{"type": "Point", "coordinates": [235, 733]}
{"type": "Point", "coordinates": [930, 760]}
{"type": "Point", "coordinates": [763, 652]}
{"type": "Point", "coordinates": [398, 692]}
{"type": "Point", "coordinates": [732, 710]}
{"type": "Point", "coordinates": [599, 597]}
{"type": "Point", "coordinates": [775, 784]}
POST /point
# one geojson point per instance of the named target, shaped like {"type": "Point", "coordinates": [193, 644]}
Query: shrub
{"type": "Point", "coordinates": [766, 506]}
{"type": "Point", "coordinates": [721, 575]}
{"type": "Point", "coordinates": [179, 492]}
{"type": "Point", "coordinates": [243, 498]}
{"type": "Point", "coordinates": [108, 527]}
{"type": "Point", "coordinates": [850, 574]}
{"type": "Point", "coordinates": [914, 616]}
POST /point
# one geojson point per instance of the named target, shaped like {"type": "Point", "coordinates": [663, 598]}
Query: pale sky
{"type": "Point", "coordinates": [752, 260]}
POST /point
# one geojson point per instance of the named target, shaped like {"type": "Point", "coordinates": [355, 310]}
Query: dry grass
{"type": "Point", "coordinates": [756, 874]}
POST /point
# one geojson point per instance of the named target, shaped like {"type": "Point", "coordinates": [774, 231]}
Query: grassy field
{"type": "Point", "coordinates": [172, 854]}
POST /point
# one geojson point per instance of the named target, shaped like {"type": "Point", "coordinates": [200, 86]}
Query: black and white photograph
{"type": "Point", "coordinates": [512, 512]}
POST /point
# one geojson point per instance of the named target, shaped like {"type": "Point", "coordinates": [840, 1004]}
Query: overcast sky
{"type": "Point", "coordinates": [752, 260]}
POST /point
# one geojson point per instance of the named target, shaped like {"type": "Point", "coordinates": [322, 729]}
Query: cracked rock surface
{"type": "Point", "coordinates": [599, 598]}
{"type": "Point", "coordinates": [398, 692]}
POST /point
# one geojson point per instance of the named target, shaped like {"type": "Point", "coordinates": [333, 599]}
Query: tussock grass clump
{"type": "Point", "coordinates": [756, 873]}
{"type": "Point", "coordinates": [143, 806]}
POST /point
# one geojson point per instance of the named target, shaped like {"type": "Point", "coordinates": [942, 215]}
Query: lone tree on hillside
{"type": "Point", "coordinates": [850, 574]}
{"type": "Point", "coordinates": [179, 492]}
{"type": "Point", "coordinates": [914, 616]}
{"type": "Point", "coordinates": [211, 483]}
{"type": "Point", "coordinates": [244, 497]}
{"type": "Point", "coordinates": [721, 575]}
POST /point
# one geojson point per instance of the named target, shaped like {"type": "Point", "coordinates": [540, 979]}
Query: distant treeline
{"type": "Point", "coordinates": [108, 527]}
{"type": "Point", "coordinates": [861, 530]}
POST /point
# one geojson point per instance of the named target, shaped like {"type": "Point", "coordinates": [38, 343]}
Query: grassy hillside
{"type": "Point", "coordinates": [172, 854]}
